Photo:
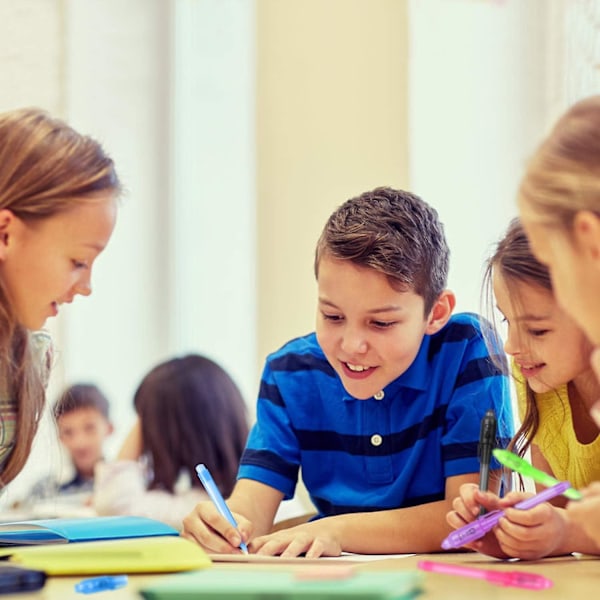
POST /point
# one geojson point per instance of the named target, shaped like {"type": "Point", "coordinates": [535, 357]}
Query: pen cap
{"type": "Point", "coordinates": [487, 435]}
{"type": "Point", "coordinates": [529, 581]}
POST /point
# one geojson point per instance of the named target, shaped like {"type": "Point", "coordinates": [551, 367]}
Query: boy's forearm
{"type": "Point", "coordinates": [256, 502]}
{"type": "Point", "coordinates": [417, 529]}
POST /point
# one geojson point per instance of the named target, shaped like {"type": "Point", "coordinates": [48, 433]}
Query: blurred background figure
{"type": "Point", "coordinates": [83, 425]}
{"type": "Point", "coordinates": [189, 411]}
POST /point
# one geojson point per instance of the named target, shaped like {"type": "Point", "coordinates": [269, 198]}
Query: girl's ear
{"type": "Point", "coordinates": [586, 230]}
{"type": "Point", "coordinates": [441, 312]}
{"type": "Point", "coordinates": [7, 219]}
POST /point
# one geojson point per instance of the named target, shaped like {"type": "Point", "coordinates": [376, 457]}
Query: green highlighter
{"type": "Point", "coordinates": [518, 464]}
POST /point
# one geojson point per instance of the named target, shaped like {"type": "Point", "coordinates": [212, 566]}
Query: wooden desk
{"type": "Point", "coordinates": [575, 578]}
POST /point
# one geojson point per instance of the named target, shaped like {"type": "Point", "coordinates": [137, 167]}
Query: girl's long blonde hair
{"type": "Point", "coordinates": [562, 177]}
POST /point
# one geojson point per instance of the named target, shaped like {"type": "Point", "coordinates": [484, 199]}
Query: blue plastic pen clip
{"type": "Point", "coordinates": [101, 584]}
{"type": "Point", "coordinates": [217, 499]}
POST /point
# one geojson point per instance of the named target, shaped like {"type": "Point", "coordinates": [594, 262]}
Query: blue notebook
{"type": "Point", "coordinates": [63, 531]}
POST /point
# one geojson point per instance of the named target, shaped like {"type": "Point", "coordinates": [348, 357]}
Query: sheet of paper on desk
{"type": "Point", "coordinates": [228, 584]}
{"type": "Point", "coordinates": [258, 558]}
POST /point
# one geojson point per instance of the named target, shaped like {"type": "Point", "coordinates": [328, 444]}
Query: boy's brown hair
{"type": "Point", "coordinates": [393, 232]}
{"type": "Point", "coordinates": [81, 395]}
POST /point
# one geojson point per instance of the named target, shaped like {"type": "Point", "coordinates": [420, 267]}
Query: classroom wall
{"type": "Point", "coordinates": [332, 90]}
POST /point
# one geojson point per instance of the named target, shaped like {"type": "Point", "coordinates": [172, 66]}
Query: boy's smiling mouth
{"type": "Point", "coordinates": [357, 371]}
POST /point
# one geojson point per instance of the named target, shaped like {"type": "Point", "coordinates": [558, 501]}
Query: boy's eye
{"type": "Point", "coordinates": [384, 324]}
{"type": "Point", "coordinates": [330, 317]}
{"type": "Point", "coordinates": [80, 264]}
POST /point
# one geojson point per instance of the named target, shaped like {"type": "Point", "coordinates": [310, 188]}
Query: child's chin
{"type": "Point", "coordinates": [359, 392]}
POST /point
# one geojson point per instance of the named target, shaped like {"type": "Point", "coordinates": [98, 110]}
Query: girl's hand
{"type": "Point", "coordinates": [466, 509]}
{"type": "Point", "coordinates": [586, 512]}
{"type": "Point", "coordinates": [533, 533]}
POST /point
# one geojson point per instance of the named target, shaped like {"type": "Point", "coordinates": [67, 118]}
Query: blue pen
{"type": "Point", "coordinates": [215, 495]}
{"type": "Point", "coordinates": [101, 584]}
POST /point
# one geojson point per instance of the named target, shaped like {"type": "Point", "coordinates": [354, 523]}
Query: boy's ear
{"type": "Point", "coordinates": [441, 312]}
{"type": "Point", "coordinates": [586, 230]}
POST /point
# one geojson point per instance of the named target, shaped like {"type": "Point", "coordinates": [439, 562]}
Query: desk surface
{"type": "Point", "coordinates": [574, 577]}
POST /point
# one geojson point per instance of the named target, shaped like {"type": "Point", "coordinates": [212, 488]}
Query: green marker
{"type": "Point", "coordinates": [518, 464]}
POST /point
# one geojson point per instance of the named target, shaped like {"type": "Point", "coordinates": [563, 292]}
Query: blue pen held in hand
{"type": "Point", "coordinates": [101, 584]}
{"type": "Point", "coordinates": [217, 499]}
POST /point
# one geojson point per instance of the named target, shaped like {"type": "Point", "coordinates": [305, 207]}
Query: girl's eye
{"type": "Point", "coordinates": [538, 332]}
{"type": "Point", "coordinates": [80, 265]}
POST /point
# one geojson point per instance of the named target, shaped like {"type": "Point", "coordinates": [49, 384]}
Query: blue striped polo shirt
{"type": "Point", "coordinates": [392, 452]}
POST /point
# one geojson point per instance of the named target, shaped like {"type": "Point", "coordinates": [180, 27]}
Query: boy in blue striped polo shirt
{"type": "Point", "coordinates": [380, 408]}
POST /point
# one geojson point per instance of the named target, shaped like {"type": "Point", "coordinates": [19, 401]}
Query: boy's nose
{"type": "Point", "coordinates": [354, 342]}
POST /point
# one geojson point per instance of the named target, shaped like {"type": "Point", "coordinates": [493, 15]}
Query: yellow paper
{"type": "Point", "coordinates": [133, 555]}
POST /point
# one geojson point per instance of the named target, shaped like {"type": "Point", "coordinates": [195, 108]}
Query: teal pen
{"type": "Point", "coordinates": [217, 499]}
{"type": "Point", "coordinates": [520, 465]}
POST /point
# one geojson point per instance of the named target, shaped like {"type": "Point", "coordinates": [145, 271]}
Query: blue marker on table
{"type": "Point", "coordinates": [101, 584]}
{"type": "Point", "coordinates": [215, 495]}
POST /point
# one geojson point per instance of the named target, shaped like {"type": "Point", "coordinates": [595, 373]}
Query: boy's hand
{"type": "Point", "coordinates": [208, 528]}
{"type": "Point", "coordinates": [308, 539]}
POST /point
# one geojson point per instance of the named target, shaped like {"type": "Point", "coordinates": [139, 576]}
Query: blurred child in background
{"type": "Point", "coordinates": [83, 424]}
{"type": "Point", "coordinates": [189, 411]}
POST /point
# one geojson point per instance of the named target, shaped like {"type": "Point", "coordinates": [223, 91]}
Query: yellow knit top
{"type": "Point", "coordinates": [569, 459]}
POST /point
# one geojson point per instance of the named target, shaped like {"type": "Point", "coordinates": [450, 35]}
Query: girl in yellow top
{"type": "Point", "coordinates": [555, 389]}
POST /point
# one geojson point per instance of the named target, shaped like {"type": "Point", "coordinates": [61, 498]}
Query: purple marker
{"type": "Point", "coordinates": [477, 529]}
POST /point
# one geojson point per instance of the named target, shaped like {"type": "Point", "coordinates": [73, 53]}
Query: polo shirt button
{"type": "Point", "coordinates": [376, 440]}
{"type": "Point", "coordinates": [379, 395]}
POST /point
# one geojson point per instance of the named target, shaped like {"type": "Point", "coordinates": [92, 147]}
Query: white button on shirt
{"type": "Point", "coordinates": [379, 395]}
{"type": "Point", "coordinates": [376, 440]}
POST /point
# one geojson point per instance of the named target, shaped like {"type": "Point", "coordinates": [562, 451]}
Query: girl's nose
{"type": "Point", "coordinates": [83, 287]}
{"type": "Point", "coordinates": [511, 345]}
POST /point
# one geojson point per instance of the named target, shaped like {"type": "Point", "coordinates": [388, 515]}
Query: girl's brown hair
{"type": "Point", "coordinates": [514, 261]}
{"type": "Point", "coordinates": [191, 411]}
{"type": "Point", "coordinates": [46, 167]}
